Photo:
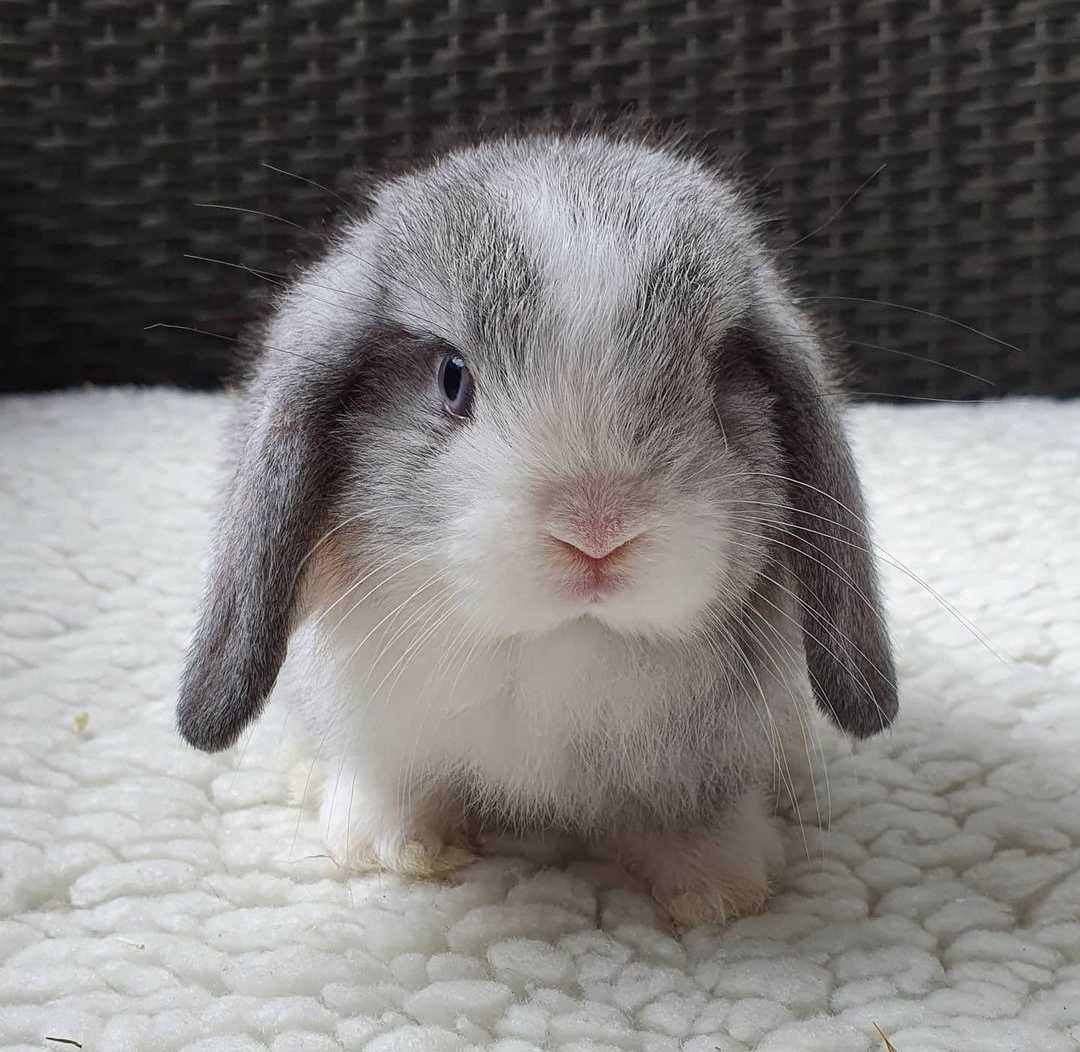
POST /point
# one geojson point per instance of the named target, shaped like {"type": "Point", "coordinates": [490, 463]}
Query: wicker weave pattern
{"type": "Point", "coordinates": [118, 116]}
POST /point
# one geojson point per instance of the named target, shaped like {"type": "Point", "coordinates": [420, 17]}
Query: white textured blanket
{"type": "Point", "coordinates": [155, 898]}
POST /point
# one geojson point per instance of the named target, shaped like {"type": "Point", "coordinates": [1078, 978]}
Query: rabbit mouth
{"type": "Point", "coordinates": [590, 575]}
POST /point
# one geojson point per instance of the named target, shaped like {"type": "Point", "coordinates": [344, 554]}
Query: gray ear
{"type": "Point", "coordinates": [848, 652]}
{"type": "Point", "coordinates": [269, 523]}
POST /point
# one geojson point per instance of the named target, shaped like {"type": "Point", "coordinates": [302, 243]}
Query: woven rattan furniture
{"type": "Point", "coordinates": [118, 118]}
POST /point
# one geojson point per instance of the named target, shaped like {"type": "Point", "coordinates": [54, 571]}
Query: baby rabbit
{"type": "Point", "coordinates": [547, 457]}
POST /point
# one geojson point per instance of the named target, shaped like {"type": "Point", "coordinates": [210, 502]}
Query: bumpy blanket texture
{"type": "Point", "coordinates": [155, 898]}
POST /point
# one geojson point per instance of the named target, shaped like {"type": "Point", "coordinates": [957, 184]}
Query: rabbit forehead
{"type": "Point", "coordinates": [516, 241]}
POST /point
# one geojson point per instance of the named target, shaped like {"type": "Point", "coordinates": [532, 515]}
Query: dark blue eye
{"type": "Point", "coordinates": [455, 384]}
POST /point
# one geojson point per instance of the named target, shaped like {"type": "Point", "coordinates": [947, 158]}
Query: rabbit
{"type": "Point", "coordinates": [546, 460]}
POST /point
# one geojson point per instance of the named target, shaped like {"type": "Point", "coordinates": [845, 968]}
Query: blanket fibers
{"type": "Point", "coordinates": [155, 898]}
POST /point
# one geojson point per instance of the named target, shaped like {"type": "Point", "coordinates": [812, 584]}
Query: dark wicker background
{"type": "Point", "coordinates": [118, 116]}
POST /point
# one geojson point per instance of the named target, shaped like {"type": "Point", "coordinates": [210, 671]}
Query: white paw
{"type": "Point", "coordinates": [726, 901]}
{"type": "Point", "coordinates": [365, 833]}
{"type": "Point", "coordinates": [710, 876]}
{"type": "Point", "coordinates": [422, 858]}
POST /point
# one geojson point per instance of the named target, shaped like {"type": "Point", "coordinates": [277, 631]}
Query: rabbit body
{"type": "Point", "coordinates": [547, 460]}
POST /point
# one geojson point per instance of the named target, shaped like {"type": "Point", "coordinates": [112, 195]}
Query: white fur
{"type": "Point", "coordinates": [407, 713]}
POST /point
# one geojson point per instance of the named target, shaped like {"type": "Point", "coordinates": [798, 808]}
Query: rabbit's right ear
{"type": "Point", "coordinates": [270, 521]}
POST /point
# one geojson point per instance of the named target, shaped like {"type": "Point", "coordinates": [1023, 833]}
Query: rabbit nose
{"type": "Point", "coordinates": [595, 550]}
{"type": "Point", "coordinates": [594, 518]}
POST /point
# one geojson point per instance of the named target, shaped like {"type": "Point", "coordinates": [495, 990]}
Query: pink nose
{"type": "Point", "coordinates": [594, 518]}
{"type": "Point", "coordinates": [591, 549]}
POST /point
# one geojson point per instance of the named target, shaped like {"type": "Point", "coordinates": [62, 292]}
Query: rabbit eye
{"type": "Point", "coordinates": [455, 384]}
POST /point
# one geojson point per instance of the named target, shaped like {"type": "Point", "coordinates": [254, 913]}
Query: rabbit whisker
{"type": "Point", "coordinates": [919, 310]}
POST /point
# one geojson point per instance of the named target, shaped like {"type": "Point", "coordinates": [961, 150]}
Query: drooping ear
{"type": "Point", "coordinates": [847, 645]}
{"type": "Point", "coordinates": [269, 522]}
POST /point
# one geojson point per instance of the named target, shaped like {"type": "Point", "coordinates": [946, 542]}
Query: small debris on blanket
{"type": "Point", "coordinates": [80, 723]}
{"type": "Point", "coordinates": [889, 1046]}
{"type": "Point", "coordinates": [64, 1041]}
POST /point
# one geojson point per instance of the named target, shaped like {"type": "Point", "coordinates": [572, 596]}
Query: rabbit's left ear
{"type": "Point", "coordinates": [847, 646]}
